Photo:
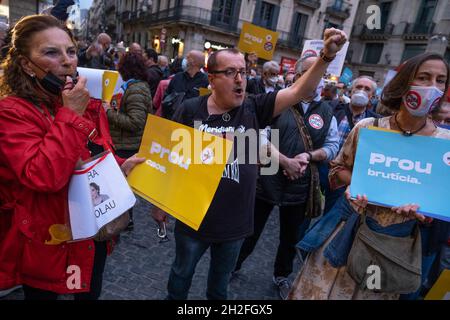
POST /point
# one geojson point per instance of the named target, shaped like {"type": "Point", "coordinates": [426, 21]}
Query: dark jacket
{"type": "Point", "coordinates": [182, 82]}
{"type": "Point", "coordinates": [256, 86]}
{"type": "Point", "coordinates": [104, 61]}
{"type": "Point", "coordinates": [343, 109]}
{"type": "Point", "coordinates": [154, 76]}
{"type": "Point", "coordinates": [127, 124]}
{"type": "Point", "coordinates": [278, 189]}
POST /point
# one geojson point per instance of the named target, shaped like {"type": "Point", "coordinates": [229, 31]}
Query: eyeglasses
{"type": "Point", "coordinates": [231, 72]}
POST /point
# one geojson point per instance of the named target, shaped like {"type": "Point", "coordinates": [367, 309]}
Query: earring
{"type": "Point", "coordinates": [32, 75]}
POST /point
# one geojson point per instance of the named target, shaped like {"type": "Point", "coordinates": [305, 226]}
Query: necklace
{"type": "Point", "coordinates": [408, 133]}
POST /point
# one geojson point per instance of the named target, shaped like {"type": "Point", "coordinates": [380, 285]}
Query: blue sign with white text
{"type": "Point", "coordinates": [394, 170]}
{"type": "Point", "coordinates": [346, 76]}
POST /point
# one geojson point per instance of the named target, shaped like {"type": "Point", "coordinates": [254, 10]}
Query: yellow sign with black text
{"type": "Point", "coordinates": [259, 40]}
{"type": "Point", "coordinates": [182, 170]}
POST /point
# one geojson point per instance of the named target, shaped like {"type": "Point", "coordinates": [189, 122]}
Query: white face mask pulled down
{"type": "Point", "coordinates": [420, 100]}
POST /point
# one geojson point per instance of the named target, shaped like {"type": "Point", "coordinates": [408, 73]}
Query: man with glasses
{"type": "Point", "coordinates": [268, 81]}
{"type": "Point", "coordinates": [227, 112]}
{"type": "Point", "coordinates": [289, 188]}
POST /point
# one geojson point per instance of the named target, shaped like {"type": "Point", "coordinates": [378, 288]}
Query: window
{"type": "Point", "coordinates": [426, 12]}
{"type": "Point", "coordinates": [412, 50]}
{"type": "Point", "coordinates": [337, 5]}
{"type": "Point", "coordinates": [266, 15]}
{"type": "Point", "coordinates": [299, 25]}
{"type": "Point", "coordinates": [384, 11]}
{"type": "Point", "coordinates": [372, 53]}
{"type": "Point", "coordinates": [225, 11]}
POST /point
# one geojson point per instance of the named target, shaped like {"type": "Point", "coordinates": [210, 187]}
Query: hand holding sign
{"type": "Point", "coordinates": [409, 210]}
{"type": "Point", "coordinates": [334, 40]}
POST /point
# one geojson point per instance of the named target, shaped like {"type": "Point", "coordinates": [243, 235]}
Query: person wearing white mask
{"type": "Point", "coordinates": [268, 81]}
{"type": "Point", "coordinates": [347, 116]}
{"type": "Point", "coordinates": [415, 92]}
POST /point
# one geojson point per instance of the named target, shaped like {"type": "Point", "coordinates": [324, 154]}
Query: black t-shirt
{"type": "Point", "coordinates": [230, 215]}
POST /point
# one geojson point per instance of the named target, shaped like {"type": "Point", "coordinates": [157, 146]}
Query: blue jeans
{"type": "Point", "coordinates": [188, 252]}
{"type": "Point", "coordinates": [331, 196]}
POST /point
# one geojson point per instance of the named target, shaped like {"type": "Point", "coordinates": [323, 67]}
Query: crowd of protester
{"type": "Point", "coordinates": [46, 121]}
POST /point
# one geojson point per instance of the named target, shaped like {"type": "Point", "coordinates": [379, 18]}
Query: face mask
{"type": "Point", "coordinates": [420, 101]}
{"type": "Point", "coordinates": [184, 64]}
{"type": "Point", "coordinates": [52, 83]}
{"type": "Point", "coordinates": [272, 81]}
{"type": "Point", "coordinates": [359, 99]}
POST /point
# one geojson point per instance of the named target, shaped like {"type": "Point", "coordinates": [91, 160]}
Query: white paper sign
{"type": "Point", "coordinates": [97, 196]}
{"type": "Point", "coordinates": [313, 47]}
{"type": "Point", "coordinates": [95, 80]}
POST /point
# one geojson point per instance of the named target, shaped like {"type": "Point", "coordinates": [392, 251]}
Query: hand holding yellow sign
{"type": "Point", "coordinates": [182, 171]}
{"type": "Point", "coordinates": [257, 39]}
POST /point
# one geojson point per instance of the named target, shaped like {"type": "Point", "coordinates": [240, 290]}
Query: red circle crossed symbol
{"type": "Point", "coordinates": [268, 46]}
{"type": "Point", "coordinates": [413, 100]}
{"type": "Point", "coordinates": [315, 121]}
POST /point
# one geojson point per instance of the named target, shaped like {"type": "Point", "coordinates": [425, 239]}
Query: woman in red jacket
{"type": "Point", "coordinates": [47, 124]}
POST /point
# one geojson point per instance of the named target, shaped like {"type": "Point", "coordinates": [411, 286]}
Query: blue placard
{"type": "Point", "coordinates": [394, 170]}
{"type": "Point", "coordinates": [346, 76]}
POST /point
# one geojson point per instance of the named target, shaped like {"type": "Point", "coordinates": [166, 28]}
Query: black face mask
{"type": "Point", "coordinates": [52, 83]}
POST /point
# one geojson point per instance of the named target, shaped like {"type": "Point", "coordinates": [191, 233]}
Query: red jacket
{"type": "Point", "coordinates": [37, 158]}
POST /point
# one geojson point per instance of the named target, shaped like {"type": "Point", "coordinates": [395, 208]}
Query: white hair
{"type": "Point", "coordinates": [270, 65]}
{"type": "Point", "coordinates": [372, 80]}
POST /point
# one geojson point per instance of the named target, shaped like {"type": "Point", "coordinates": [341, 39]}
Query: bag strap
{"type": "Point", "coordinates": [313, 204]}
{"type": "Point", "coordinates": [304, 133]}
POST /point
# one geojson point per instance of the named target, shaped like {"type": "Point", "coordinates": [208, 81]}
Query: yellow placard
{"type": "Point", "coordinates": [257, 39]}
{"type": "Point", "coordinates": [441, 289]}
{"type": "Point", "coordinates": [204, 91]}
{"type": "Point", "coordinates": [182, 170]}
{"type": "Point", "coordinates": [109, 80]}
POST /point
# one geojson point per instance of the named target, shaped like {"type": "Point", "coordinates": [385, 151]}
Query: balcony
{"type": "Point", "coordinates": [383, 33]}
{"type": "Point", "coordinates": [418, 31]}
{"type": "Point", "coordinates": [187, 14]}
{"type": "Point", "coordinates": [312, 4]}
{"type": "Point", "coordinates": [339, 10]}
{"type": "Point", "coordinates": [290, 40]}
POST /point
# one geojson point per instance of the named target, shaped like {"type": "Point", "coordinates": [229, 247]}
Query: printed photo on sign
{"type": "Point", "coordinates": [97, 197]}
